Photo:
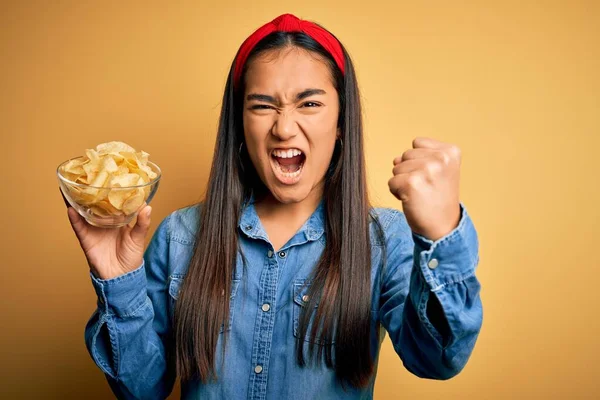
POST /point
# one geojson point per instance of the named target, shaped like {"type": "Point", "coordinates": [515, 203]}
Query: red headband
{"type": "Point", "coordinates": [289, 23]}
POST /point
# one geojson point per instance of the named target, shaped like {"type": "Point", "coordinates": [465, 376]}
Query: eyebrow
{"type": "Point", "coordinates": [270, 99]}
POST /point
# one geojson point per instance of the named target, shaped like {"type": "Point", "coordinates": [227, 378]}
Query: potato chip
{"type": "Point", "coordinates": [122, 170]}
{"type": "Point", "coordinates": [73, 169]}
{"type": "Point", "coordinates": [111, 172]}
{"type": "Point", "coordinates": [148, 170]}
{"type": "Point", "coordinates": [80, 196]}
{"type": "Point", "coordinates": [108, 207]}
{"type": "Point", "coordinates": [125, 180]}
{"type": "Point", "coordinates": [143, 156]}
{"type": "Point", "coordinates": [114, 147]}
{"type": "Point", "coordinates": [134, 202]}
{"type": "Point", "coordinates": [100, 179]}
{"type": "Point", "coordinates": [110, 165]}
{"type": "Point", "coordinates": [117, 197]}
{"type": "Point", "coordinates": [91, 169]}
{"type": "Point", "coordinates": [74, 166]}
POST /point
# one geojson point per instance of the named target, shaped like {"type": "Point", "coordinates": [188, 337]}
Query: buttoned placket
{"type": "Point", "coordinates": [264, 324]}
{"type": "Point", "coordinates": [273, 263]}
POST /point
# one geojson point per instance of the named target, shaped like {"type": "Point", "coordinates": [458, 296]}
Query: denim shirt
{"type": "Point", "coordinates": [128, 334]}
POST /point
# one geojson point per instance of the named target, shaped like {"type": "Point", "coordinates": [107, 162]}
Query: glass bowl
{"type": "Point", "coordinates": [97, 204]}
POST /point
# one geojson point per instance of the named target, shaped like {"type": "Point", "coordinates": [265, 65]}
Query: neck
{"type": "Point", "coordinates": [269, 208]}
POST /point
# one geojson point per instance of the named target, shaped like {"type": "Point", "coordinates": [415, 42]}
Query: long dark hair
{"type": "Point", "coordinates": [341, 282]}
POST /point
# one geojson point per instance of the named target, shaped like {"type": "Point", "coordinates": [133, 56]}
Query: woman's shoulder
{"type": "Point", "coordinates": [388, 223]}
{"type": "Point", "coordinates": [183, 223]}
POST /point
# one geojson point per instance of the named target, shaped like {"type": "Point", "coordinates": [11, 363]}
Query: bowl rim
{"type": "Point", "coordinates": [83, 185]}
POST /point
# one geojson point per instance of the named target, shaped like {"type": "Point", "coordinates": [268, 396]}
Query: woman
{"type": "Point", "coordinates": [312, 274]}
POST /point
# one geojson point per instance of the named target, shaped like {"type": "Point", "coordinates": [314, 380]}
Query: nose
{"type": "Point", "coordinates": [285, 127]}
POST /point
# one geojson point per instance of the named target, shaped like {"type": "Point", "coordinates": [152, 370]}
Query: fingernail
{"type": "Point", "coordinates": [64, 198]}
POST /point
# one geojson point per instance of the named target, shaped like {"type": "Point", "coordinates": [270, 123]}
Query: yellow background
{"type": "Point", "coordinates": [515, 84]}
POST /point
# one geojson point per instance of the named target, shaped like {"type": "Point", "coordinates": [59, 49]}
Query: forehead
{"type": "Point", "coordinates": [287, 70]}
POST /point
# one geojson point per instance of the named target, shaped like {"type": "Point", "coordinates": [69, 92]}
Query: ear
{"type": "Point", "coordinates": [338, 134]}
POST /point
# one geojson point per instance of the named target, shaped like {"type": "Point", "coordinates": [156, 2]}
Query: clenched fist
{"type": "Point", "coordinates": [426, 180]}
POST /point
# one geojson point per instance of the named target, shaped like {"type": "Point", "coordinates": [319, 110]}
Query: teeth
{"type": "Point", "coordinates": [286, 153]}
{"type": "Point", "coordinates": [292, 174]}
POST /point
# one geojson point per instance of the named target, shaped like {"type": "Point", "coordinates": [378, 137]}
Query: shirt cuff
{"type": "Point", "coordinates": [122, 295]}
{"type": "Point", "coordinates": [450, 259]}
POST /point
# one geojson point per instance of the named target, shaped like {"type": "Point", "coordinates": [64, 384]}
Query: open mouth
{"type": "Point", "coordinates": [287, 164]}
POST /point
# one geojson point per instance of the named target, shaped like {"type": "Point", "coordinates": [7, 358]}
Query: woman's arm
{"type": "Point", "coordinates": [128, 334]}
{"type": "Point", "coordinates": [430, 302]}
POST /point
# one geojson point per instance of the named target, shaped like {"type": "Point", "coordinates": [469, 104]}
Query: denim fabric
{"type": "Point", "coordinates": [127, 336]}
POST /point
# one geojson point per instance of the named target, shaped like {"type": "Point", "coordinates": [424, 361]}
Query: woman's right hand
{"type": "Point", "coordinates": [111, 252]}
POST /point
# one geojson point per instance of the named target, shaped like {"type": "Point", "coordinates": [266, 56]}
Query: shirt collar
{"type": "Point", "coordinates": [312, 229]}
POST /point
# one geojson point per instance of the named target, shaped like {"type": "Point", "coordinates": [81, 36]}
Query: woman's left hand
{"type": "Point", "coordinates": [426, 180]}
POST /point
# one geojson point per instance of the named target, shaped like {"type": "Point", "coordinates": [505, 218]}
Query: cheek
{"type": "Point", "coordinates": [322, 142]}
{"type": "Point", "coordinates": [253, 137]}
{"type": "Point", "coordinates": [322, 151]}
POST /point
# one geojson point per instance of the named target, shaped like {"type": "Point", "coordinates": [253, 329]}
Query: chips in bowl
{"type": "Point", "coordinates": [110, 184]}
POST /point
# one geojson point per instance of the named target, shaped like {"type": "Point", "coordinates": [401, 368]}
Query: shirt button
{"type": "Point", "coordinates": [433, 263]}
{"type": "Point", "coordinates": [258, 369]}
{"type": "Point", "coordinates": [265, 307]}
{"type": "Point", "coordinates": [282, 254]}
{"type": "Point", "coordinates": [248, 227]}
{"type": "Point", "coordinates": [305, 298]}
{"type": "Point", "coordinates": [270, 254]}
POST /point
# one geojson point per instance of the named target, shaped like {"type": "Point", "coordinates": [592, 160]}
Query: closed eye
{"type": "Point", "coordinates": [261, 107]}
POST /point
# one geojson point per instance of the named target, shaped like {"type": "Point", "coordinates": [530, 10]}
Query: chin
{"type": "Point", "coordinates": [289, 195]}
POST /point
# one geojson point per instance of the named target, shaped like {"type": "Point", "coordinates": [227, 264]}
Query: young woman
{"type": "Point", "coordinates": [282, 283]}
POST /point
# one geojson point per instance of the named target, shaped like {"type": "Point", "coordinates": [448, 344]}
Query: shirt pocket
{"type": "Point", "coordinates": [300, 293]}
{"type": "Point", "coordinates": [175, 283]}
